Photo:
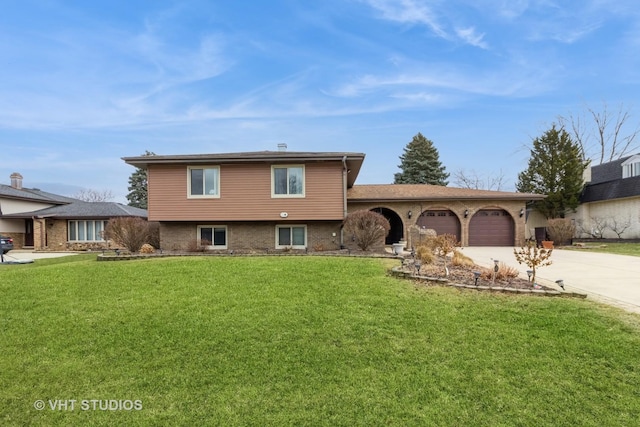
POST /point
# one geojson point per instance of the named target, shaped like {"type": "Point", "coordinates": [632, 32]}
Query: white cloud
{"type": "Point", "coordinates": [470, 36]}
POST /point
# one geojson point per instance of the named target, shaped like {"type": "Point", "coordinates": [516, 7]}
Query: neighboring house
{"type": "Point", "coordinates": [45, 221]}
{"type": "Point", "coordinates": [298, 200]}
{"type": "Point", "coordinates": [610, 201]}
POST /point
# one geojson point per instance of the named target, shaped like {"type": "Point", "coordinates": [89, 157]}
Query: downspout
{"type": "Point", "coordinates": [344, 198]}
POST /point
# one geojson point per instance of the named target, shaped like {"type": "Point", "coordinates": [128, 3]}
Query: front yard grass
{"type": "Point", "coordinates": [632, 249]}
{"type": "Point", "coordinates": [302, 341]}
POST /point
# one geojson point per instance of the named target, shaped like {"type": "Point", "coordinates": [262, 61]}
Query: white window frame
{"type": "Point", "coordinates": [84, 224]}
{"type": "Point", "coordinates": [213, 228]}
{"type": "Point", "coordinates": [203, 196]}
{"type": "Point", "coordinates": [287, 195]}
{"type": "Point", "coordinates": [631, 167]}
{"type": "Point", "coordinates": [291, 227]}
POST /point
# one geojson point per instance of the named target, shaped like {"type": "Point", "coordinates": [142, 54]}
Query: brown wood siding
{"type": "Point", "coordinates": [245, 195]}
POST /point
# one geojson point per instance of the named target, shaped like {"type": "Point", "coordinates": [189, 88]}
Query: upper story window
{"type": "Point", "coordinates": [631, 167]}
{"type": "Point", "coordinates": [287, 181]}
{"type": "Point", "coordinates": [203, 181]}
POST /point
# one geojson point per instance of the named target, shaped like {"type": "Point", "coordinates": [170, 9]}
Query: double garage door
{"type": "Point", "coordinates": [488, 227]}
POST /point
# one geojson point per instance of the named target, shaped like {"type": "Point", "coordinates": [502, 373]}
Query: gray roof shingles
{"type": "Point", "coordinates": [607, 183]}
{"type": "Point", "coordinates": [33, 194]}
{"type": "Point", "coordinates": [88, 210]}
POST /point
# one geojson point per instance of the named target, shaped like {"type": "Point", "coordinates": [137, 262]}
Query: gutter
{"type": "Point", "coordinates": [344, 197]}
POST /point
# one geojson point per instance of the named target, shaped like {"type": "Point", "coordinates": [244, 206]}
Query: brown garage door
{"type": "Point", "coordinates": [443, 222]}
{"type": "Point", "coordinates": [491, 227]}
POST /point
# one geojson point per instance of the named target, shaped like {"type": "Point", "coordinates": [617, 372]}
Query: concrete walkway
{"type": "Point", "coordinates": [613, 279]}
{"type": "Point", "coordinates": [22, 254]}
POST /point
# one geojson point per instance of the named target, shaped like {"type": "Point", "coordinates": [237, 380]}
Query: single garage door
{"type": "Point", "coordinates": [443, 222]}
{"type": "Point", "coordinates": [491, 227]}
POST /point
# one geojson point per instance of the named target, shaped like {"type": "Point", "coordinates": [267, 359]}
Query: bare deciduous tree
{"type": "Point", "coordinates": [619, 226]}
{"type": "Point", "coordinates": [88, 195]}
{"type": "Point", "coordinates": [130, 232]}
{"type": "Point", "coordinates": [478, 181]}
{"type": "Point", "coordinates": [610, 136]}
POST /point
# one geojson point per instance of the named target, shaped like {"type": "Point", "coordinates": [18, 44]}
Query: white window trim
{"type": "Point", "coordinates": [96, 238]}
{"type": "Point", "coordinates": [631, 167]}
{"type": "Point", "coordinates": [212, 227]}
{"type": "Point", "coordinates": [279, 226]}
{"type": "Point", "coordinates": [288, 196]}
{"type": "Point", "coordinates": [203, 196]}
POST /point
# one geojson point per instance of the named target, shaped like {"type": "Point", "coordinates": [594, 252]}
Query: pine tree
{"type": "Point", "coordinates": [137, 196]}
{"type": "Point", "coordinates": [420, 164]}
{"type": "Point", "coordinates": [556, 169]}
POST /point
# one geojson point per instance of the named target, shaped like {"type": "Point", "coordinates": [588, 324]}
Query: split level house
{"type": "Point", "coordinates": [40, 220]}
{"type": "Point", "coordinates": [298, 200]}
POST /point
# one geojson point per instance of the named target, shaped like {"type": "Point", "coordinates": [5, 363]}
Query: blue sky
{"type": "Point", "coordinates": [84, 83]}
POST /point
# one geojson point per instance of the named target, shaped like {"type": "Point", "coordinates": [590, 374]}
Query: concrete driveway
{"type": "Point", "coordinates": [613, 279]}
{"type": "Point", "coordinates": [20, 254]}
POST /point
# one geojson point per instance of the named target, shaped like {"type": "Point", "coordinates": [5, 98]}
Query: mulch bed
{"type": "Point", "coordinates": [464, 275]}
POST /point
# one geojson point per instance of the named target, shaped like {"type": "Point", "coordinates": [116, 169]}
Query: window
{"type": "Point", "coordinates": [291, 236]}
{"type": "Point", "coordinates": [86, 231]}
{"type": "Point", "coordinates": [631, 169]}
{"type": "Point", "coordinates": [287, 181]}
{"type": "Point", "coordinates": [203, 181]}
{"type": "Point", "coordinates": [212, 236]}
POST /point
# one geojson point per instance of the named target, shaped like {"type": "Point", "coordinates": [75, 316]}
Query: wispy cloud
{"type": "Point", "coordinates": [470, 36]}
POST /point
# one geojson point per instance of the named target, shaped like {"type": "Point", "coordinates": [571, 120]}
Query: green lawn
{"type": "Point", "coordinates": [302, 341]}
{"type": "Point", "coordinates": [610, 248]}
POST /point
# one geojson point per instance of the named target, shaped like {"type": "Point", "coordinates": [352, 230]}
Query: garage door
{"type": "Point", "coordinates": [491, 227]}
{"type": "Point", "coordinates": [443, 222]}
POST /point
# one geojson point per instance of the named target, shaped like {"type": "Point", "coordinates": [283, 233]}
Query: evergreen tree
{"type": "Point", "coordinates": [137, 196]}
{"type": "Point", "coordinates": [556, 169]}
{"type": "Point", "coordinates": [420, 164]}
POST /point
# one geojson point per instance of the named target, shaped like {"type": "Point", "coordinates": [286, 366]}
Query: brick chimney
{"type": "Point", "coordinates": [16, 181]}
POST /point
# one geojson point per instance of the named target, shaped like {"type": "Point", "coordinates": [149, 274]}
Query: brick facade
{"type": "Point", "coordinates": [457, 207]}
{"type": "Point", "coordinates": [181, 236]}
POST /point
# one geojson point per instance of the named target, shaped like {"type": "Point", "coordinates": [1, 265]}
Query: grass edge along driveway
{"type": "Point", "coordinates": [301, 341]}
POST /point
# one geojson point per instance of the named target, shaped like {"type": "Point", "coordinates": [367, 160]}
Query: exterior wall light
{"type": "Point", "coordinates": [466, 213]}
{"type": "Point", "coordinates": [521, 212]}
{"type": "Point", "coordinates": [409, 214]}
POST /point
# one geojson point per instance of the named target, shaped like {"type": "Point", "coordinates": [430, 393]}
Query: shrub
{"type": "Point", "coordinates": [533, 257]}
{"type": "Point", "coordinates": [130, 232]}
{"type": "Point", "coordinates": [197, 246]}
{"type": "Point", "coordinates": [561, 230]}
{"type": "Point", "coordinates": [154, 234]}
{"type": "Point", "coordinates": [505, 272]}
{"type": "Point", "coordinates": [367, 227]}
{"type": "Point", "coordinates": [147, 249]}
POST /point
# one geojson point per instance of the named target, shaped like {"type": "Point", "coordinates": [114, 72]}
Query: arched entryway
{"type": "Point", "coordinates": [491, 227]}
{"type": "Point", "coordinates": [442, 221]}
{"type": "Point", "coordinates": [396, 233]}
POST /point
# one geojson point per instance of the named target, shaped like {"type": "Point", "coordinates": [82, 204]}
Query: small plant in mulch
{"type": "Point", "coordinates": [533, 257]}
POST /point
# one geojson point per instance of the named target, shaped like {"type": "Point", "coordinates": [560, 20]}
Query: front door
{"type": "Point", "coordinates": [28, 232]}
